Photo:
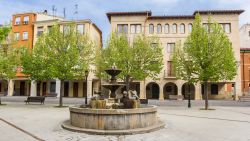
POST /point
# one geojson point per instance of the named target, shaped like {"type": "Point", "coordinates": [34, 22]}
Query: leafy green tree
{"type": "Point", "coordinates": [207, 56]}
{"type": "Point", "coordinates": [59, 55]}
{"type": "Point", "coordinates": [9, 56]}
{"type": "Point", "coordinates": [140, 59]}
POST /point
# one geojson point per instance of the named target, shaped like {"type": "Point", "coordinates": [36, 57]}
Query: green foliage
{"type": "Point", "coordinates": [9, 55]}
{"type": "Point", "coordinates": [138, 59]}
{"type": "Point", "coordinates": [4, 32]}
{"type": "Point", "coordinates": [62, 55]}
{"type": "Point", "coordinates": [207, 55]}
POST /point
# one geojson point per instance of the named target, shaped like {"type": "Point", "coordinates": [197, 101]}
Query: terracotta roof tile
{"type": "Point", "coordinates": [109, 14]}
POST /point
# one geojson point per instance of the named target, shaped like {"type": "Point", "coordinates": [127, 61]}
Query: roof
{"type": "Point", "coordinates": [218, 12]}
{"type": "Point", "coordinates": [109, 14]}
{"type": "Point", "coordinates": [172, 17]}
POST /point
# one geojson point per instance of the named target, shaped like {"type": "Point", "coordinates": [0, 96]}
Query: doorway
{"type": "Point", "coordinates": [75, 89]}
{"type": "Point", "coordinates": [66, 89]}
{"type": "Point", "coordinates": [44, 88]}
{"type": "Point", "coordinates": [22, 88]}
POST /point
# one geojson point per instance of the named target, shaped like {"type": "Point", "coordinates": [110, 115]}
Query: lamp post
{"type": "Point", "coordinates": [86, 78]}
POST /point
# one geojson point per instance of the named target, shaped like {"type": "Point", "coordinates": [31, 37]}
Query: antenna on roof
{"type": "Point", "coordinates": [76, 11]}
{"type": "Point", "coordinates": [54, 10]}
{"type": "Point", "coordinates": [64, 12]}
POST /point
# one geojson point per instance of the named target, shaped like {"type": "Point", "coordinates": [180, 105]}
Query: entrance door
{"type": "Point", "coordinates": [155, 91]}
{"type": "Point", "coordinates": [22, 88]}
{"type": "Point", "coordinates": [44, 88]}
{"type": "Point", "coordinates": [38, 87]}
{"type": "Point", "coordinates": [66, 89]}
{"type": "Point", "coordinates": [75, 89]}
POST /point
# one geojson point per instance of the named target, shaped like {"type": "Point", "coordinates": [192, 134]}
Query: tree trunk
{"type": "Point", "coordinates": [61, 94]}
{"type": "Point", "coordinates": [206, 95]}
{"type": "Point", "coordinates": [127, 84]}
{"type": "Point", "coordinates": [0, 101]}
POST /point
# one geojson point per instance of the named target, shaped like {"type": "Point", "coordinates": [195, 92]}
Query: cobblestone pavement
{"type": "Point", "coordinates": [225, 123]}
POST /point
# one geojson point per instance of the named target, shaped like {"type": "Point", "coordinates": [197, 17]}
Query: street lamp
{"type": "Point", "coordinates": [86, 78]}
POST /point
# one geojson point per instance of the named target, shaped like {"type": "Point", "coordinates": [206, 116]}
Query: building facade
{"type": "Point", "coordinates": [245, 70]}
{"type": "Point", "coordinates": [27, 27]}
{"type": "Point", "coordinates": [169, 30]}
{"type": "Point", "coordinates": [245, 36]}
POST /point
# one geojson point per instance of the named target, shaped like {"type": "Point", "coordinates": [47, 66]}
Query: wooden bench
{"type": "Point", "coordinates": [40, 99]}
{"type": "Point", "coordinates": [175, 97]}
{"type": "Point", "coordinates": [244, 98]}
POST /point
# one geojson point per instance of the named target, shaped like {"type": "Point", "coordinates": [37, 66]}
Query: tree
{"type": "Point", "coordinates": [206, 56]}
{"type": "Point", "coordinates": [59, 55]}
{"type": "Point", "coordinates": [140, 59]}
{"type": "Point", "coordinates": [9, 55]}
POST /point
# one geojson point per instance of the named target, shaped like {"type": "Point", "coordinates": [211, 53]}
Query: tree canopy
{"type": "Point", "coordinates": [139, 59]}
{"type": "Point", "coordinates": [206, 56]}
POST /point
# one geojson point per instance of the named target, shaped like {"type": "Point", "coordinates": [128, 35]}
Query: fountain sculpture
{"type": "Point", "coordinates": [127, 117]}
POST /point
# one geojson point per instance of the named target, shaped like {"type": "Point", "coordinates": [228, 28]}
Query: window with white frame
{"type": "Point", "coordinates": [17, 21]}
{"type": "Point", "coordinates": [190, 27]}
{"type": "Point", "coordinates": [159, 29]}
{"type": "Point", "coordinates": [182, 28]}
{"type": "Point", "coordinates": [226, 27]}
{"type": "Point", "coordinates": [26, 20]}
{"type": "Point", "coordinates": [174, 28]}
{"type": "Point", "coordinates": [170, 47]}
{"type": "Point", "coordinates": [122, 28]}
{"type": "Point", "coordinates": [80, 28]}
{"type": "Point", "coordinates": [166, 28]}
{"type": "Point", "coordinates": [135, 28]}
{"type": "Point", "coordinates": [66, 29]}
{"type": "Point", "coordinates": [39, 30]}
{"type": "Point", "coordinates": [25, 35]}
{"type": "Point", "coordinates": [151, 29]}
{"type": "Point", "coordinates": [16, 36]}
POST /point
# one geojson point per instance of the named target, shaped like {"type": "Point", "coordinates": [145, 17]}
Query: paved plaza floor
{"type": "Point", "coordinates": [230, 121]}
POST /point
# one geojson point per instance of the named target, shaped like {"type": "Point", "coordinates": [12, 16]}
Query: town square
{"type": "Point", "coordinates": [124, 71]}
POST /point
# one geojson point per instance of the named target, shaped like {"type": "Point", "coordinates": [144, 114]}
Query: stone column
{"type": "Point", "coordinates": [197, 95]}
{"type": "Point", "coordinates": [161, 96]}
{"type": "Point", "coordinates": [179, 86]}
{"type": "Point", "coordinates": [58, 87]}
{"type": "Point", "coordinates": [10, 87]}
{"type": "Point", "coordinates": [142, 90]}
{"type": "Point", "coordinates": [89, 88]}
{"type": "Point", "coordinates": [33, 89]}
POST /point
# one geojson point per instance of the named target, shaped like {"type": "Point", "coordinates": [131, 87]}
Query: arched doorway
{"type": "Point", "coordinates": [152, 90]}
{"type": "Point", "coordinates": [169, 89]}
{"type": "Point", "coordinates": [186, 89]}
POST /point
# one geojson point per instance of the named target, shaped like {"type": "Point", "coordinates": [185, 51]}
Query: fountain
{"type": "Point", "coordinates": [127, 117]}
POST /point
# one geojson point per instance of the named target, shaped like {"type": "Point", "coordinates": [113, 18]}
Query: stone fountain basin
{"type": "Point", "coordinates": [113, 121]}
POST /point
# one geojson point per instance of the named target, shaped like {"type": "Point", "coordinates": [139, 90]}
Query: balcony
{"type": "Point", "coordinates": [169, 74]}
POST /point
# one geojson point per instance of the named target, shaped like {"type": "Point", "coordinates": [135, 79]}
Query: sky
{"type": "Point", "coordinates": [96, 9]}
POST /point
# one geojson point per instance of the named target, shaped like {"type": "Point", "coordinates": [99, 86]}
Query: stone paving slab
{"type": "Point", "coordinates": [182, 124]}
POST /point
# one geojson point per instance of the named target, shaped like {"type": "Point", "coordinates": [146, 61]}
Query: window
{"type": "Point", "coordinates": [226, 27]}
{"type": "Point", "coordinates": [206, 27]}
{"type": "Point", "coordinates": [122, 28]}
{"type": "Point", "coordinates": [174, 28]}
{"type": "Point", "coordinates": [135, 28]}
{"type": "Point", "coordinates": [170, 69]}
{"type": "Point", "coordinates": [182, 28]}
{"type": "Point", "coordinates": [170, 47]}
{"type": "Point", "coordinates": [190, 27]}
{"type": "Point", "coordinates": [17, 21]}
{"type": "Point", "coordinates": [80, 28]}
{"type": "Point", "coordinates": [66, 29]}
{"type": "Point", "coordinates": [49, 28]}
{"type": "Point", "coordinates": [52, 87]}
{"type": "Point", "coordinates": [159, 29]}
{"type": "Point", "coordinates": [26, 20]}
{"type": "Point", "coordinates": [153, 45]}
{"type": "Point", "coordinates": [166, 28]}
{"type": "Point", "coordinates": [151, 29]}
{"type": "Point", "coordinates": [214, 89]}
{"type": "Point", "coordinates": [25, 35]}
{"type": "Point", "coordinates": [39, 31]}
{"type": "Point", "coordinates": [16, 36]}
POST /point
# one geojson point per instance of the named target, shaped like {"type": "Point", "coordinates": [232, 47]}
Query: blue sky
{"type": "Point", "coordinates": [96, 9]}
